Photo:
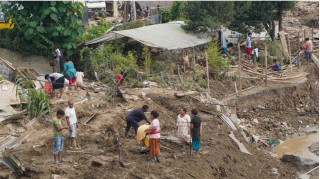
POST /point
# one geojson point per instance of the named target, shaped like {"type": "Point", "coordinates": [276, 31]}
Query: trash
{"type": "Point", "coordinates": [240, 145]}
{"type": "Point", "coordinates": [273, 143]}
{"type": "Point", "coordinates": [227, 121]}
{"type": "Point", "coordinates": [143, 95]}
{"type": "Point", "coordinates": [46, 120]}
{"type": "Point", "coordinates": [121, 105]}
{"type": "Point", "coordinates": [274, 171]}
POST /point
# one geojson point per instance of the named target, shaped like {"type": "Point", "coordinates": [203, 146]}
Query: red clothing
{"type": "Point", "coordinates": [248, 51]}
{"type": "Point", "coordinates": [72, 80]}
{"type": "Point", "coordinates": [120, 78]}
{"type": "Point", "coordinates": [308, 46]}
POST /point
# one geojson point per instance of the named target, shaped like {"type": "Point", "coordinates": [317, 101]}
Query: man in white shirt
{"type": "Point", "coordinates": [72, 122]}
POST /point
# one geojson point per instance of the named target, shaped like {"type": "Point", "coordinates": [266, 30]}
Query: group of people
{"type": "Point", "coordinates": [57, 126]}
{"type": "Point", "coordinates": [185, 126]}
{"type": "Point", "coordinates": [57, 80]}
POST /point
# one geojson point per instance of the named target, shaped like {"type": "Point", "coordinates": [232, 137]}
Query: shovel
{"type": "Point", "coordinates": [121, 164]}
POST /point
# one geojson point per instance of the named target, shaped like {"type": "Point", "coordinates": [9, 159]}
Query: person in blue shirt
{"type": "Point", "coordinates": [275, 66]}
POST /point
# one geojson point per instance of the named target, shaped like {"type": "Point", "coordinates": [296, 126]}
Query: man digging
{"type": "Point", "coordinates": [72, 123]}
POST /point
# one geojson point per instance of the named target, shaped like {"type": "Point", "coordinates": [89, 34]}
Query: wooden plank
{"type": "Point", "coordinates": [266, 64]}
{"type": "Point", "coordinates": [290, 53]}
{"type": "Point", "coordinates": [284, 43]}
{"type": "Point", "coordinates": [90, 118]}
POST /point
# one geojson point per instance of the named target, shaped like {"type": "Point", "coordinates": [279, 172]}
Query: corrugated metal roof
{"type": "Point", "coordinates": [167, 36]}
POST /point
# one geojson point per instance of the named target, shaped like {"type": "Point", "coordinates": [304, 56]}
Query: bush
{"type": "Point", "coordinates": [147, 59]}
{"type": "Point", "coordinates": [311, 22]}
{"type": "Point", "coordinates": [165, 15]}
{"type": "Point", "coordinates": [97, 30]}
{"type": "Point", "coordinates": [275, 49]}
{"type": "Point", "coordinates": [38, 103]}
{"type": "Point", "coordinates": [203, 83]}
{"type": "Point", "coordinates": [215, 60]}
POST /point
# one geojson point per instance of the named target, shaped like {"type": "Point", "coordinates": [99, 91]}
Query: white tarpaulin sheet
{"type": "Point", "coordinates": [167, 36]}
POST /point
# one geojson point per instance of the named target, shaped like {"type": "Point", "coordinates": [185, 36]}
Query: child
{"type": "Point", "coordinates": [154, 137]}
{"type": "Point", "coordinates": [72, 122]}
{"type": "Point", "coordinates": [57, 136]}
{"type": "Point", "coordinates": [196, 129]}
{"type": "Point", "coordinates": [275, 66]}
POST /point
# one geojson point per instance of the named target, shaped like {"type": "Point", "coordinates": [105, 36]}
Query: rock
{"type": "Point", "coordinates": [276, 124]}
{"type": "Point", "coordinates": [255, 120]}
{"type": "Point", "coordinates": [302, 164]}
{"type": "Point", "coordinates": [262, 107]}
{"type": "Point", "coordinates": [266, 120]}
{"type": "Point", "coordinates": [285, 125]}
{"type": "Point", "coordinates": [274, 171]}
{"type": "Point", "coordinates": [97, 163]}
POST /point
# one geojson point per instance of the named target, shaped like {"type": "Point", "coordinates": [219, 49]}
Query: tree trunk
{"type": "Point", "coordinates": [280, 11]}
{"type": "Point", "coordinates": [270, 28]}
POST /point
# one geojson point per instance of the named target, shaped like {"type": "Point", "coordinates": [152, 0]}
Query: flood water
{"type": "Point", "coordinates": [299, 146]}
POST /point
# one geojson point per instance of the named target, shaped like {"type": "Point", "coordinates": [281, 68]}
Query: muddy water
{"type": "Point", "coordinates": [299, 146]}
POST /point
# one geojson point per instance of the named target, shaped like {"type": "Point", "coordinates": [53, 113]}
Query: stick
{"type": "Point", "coordinates": [312, 38]}
{"type": "Point", "coordinates": [85, 123]}
{"type": "Point", "coordinates": [266, 64]}
{"type": "Point", "coordinates": [239, 52]}
{"type": "Point", "coordinates": [299, 61]}
{"type": "Point", "coordinates": [235, 87]}
{"type": "Point", "coordinates": [207, 72]}
{"type": "Point", "coordinates": [312, 170]}
{"type": "Point", "coordinates": [253, 72]}
{"type": "Point", "coordinates": [161, 146]}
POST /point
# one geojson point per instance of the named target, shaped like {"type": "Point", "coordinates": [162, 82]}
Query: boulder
{"type": "Point", "coordinates": [301, 163]}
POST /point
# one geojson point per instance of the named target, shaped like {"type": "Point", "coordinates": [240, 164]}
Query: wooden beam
{"type": "Point", "coordinates": [266, 64]}
{"type": "Point", "coordinates": [299, 60]}
{"type": "Point", "coordinates": [312, 39]}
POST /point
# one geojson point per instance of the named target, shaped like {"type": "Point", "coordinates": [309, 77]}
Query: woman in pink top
{"type": "Point", "coordinates": [154, 137]}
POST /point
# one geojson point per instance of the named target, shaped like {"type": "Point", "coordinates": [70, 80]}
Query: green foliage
{"type": "Point", "coordinates": [234, 78]}
{"type": "Point", "coordinates": [259, 15]}
{"type": "Point", "coordinates": [42, 25]}
{"type": "Point", "coordinates": [97, 30]}
{"type": "Point", "coordinates": [203, 83]}
{"type": "Point", "coordinates": [215, 60]}
{"type": "Point", "coordinates": [38, 103]}
{"type": "Point", "coordinates": [176, 10]}
{"type": "Point", "coordinates": [205, 15]}
{"type": "Point", "coordinates": [275, 49]}
{"type": "Point", "coordinates": [162, 66]}
{"type": "Point", "coordinates": [147, 59]}
{"type": "Point", "coordinates": [132, 77]}
{"type": "Point", "coordinates": [165, 15]}
{"type": "Point", "coordinates": [311, 22]}
{"type": "Point", "coordinates": [134, 24]}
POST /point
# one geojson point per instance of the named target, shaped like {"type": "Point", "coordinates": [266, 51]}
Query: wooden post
{"type": "Point", "coordinates": [312, 39]}
{"type": "Point", "coordinates": [207, 64]}
{"type": "Point", "coordinates": [194, 56]}
{"type": "Point", "coordinates": [239, 68]}
{"type": "Point", "coordinates": [289, 49]}
{"type": "Point", "coordinates": [266, 63]}
{"type": "Point", "coordinates": [304, 34]}
{"type": "Point", "coordinates": [299, 61]}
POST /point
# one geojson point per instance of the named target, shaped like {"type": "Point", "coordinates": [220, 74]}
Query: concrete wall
{"type": "Point", "coordinates": [39, 63]}
{"type": "Point", "coordinates": [6, 71]}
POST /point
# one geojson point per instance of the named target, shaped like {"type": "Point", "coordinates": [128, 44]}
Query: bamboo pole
{"type": "Point", "coordinates": [239, 58]}
{"type": "Point", "coordinates": [304, 34]}
{"type": "Point", "coordinates": [289, 49]}
{"type": "Point", "coordinates": [207, 64]}
{"type": "Point", "coordinates": [266, 64]}
{"type": "Point", "coordinates": [299, 60]}
{"type": "Point", "coordinates": [312, 39]}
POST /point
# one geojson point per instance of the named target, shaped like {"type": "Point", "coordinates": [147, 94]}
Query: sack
{"type": "Point", "coordinates": [53, 62]}
{"type": "Point", "coordinates": [47, 87]}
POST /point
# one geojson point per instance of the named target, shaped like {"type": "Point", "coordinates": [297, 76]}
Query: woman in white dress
{"type": "Point", "coordinates": [182, 126]}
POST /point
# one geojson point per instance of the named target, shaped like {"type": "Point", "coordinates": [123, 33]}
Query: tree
{"type": "Point", "coordinates": [176, 10]}
{"type": "Point", "coordinates": [204, 16]}
{"type": "Point", "coordinates": [259, 15]}
{"type": "Point", "coordinates": [41, 26]}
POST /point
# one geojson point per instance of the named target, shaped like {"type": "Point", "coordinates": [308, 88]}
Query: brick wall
{"type": "Point", "coordinates": [39, 63]}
